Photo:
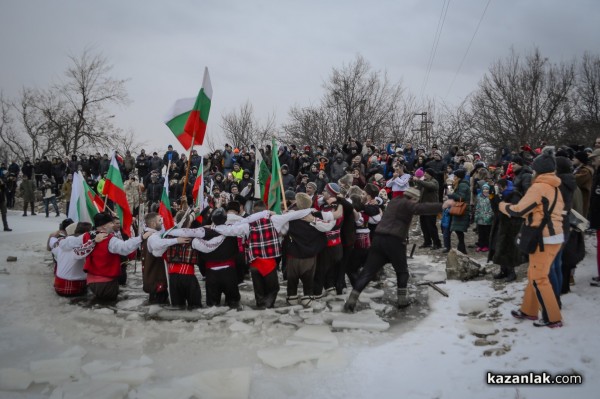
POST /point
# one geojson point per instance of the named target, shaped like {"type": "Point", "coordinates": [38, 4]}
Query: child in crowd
{"type": "Point", "coordinates": [484, 217]}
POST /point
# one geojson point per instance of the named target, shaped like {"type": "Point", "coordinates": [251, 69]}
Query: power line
{"type": "Point", "coordinates": [468, 48]}
{"type": "Point", "coordinates": [436, 40]}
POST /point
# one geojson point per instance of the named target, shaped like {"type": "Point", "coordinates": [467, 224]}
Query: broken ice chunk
{"type": "Point", "coordinates": [219, 384]}
{"type": "Point", "coordinates": [289, 355]}
{"type": "Point", "coordinates": [100, 366]}
{"type": "Point", "coordinates": [55, 370]}
{"type": "Point", "coordinates": [129, 376]}
{"type": "Point", "coordinates": [319, 336]}
{"type": "Point", "coordinates": [481, 327]}
{"type": "Point", "coordinates": [365, 320]}
{"type": "Point", "coordinates": [473, 305]}
{"type": "Point", "coordinates": [92, 389]}
{"type": "Point", "coordinates": [15, 379]}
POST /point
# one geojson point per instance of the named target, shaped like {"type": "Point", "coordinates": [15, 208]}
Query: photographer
{"type": "Point", "coordinates": [49, 195]}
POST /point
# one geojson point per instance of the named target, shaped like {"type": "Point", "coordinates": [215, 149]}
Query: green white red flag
{"type": "Point", "coordinates": [164, 209]}
{"type": "Point", "coordinates": [262, 177]}
{"type": "Point", "coordinates": [198, 190]}
{"type": "Point", "coordinates": [188, 117]}
{"type": "Point", "coordinates": [84, 203]}
{"type": "Point", "coordinates": [274, 189]}
{"type": "Point", "coordinates": [114, 190]}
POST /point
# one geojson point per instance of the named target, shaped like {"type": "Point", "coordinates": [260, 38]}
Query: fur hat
{"type": "Point", "coordinates": [563, 165]}
{"type": "Point", "coordinates": [290, 195]}
{"type": "Point", "coordinates": [333, 189]}
{"type": "Point", "coordinates": [583, 157]}
{"type": "Point", "coordinates": [71, 229]}
{"type": "Point", "coordinates": [303, 201]}
{"type": "Point", "coordinates": [430, 172]}
{"type": "Point", "coordinates": [545, 162]}
{"type": "Point", "coordinates": [372, 190]}
{"type": "Point", "coordinates": [102, 218]}
{"type": "Point", "coordinates": [460, 173]}
{"type": "Point", "coordinates": [413, 193]}
{"type": "Point", "coordinates": [346, 180]}
{"type": "Point", "coordinates": [218, 216]}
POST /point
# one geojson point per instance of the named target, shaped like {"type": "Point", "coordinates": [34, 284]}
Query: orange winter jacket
{"type": "Point", "coordinates": [531, 208]}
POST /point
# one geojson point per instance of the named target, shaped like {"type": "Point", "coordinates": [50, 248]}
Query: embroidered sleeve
{"type": "Point", "coordinates": [85, 249]}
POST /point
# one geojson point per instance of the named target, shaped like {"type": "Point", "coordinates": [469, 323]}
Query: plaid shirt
{"type": "Point", "coordinates": [181, 259]}
{"type": "Point", "coordinates": [263, 241]}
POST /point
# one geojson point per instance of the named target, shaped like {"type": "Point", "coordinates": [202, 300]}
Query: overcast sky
{"type": "Point", "coordinates": [277, 53]}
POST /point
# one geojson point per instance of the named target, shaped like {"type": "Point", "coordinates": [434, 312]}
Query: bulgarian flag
{"type": "Point", "coordinates": [164, 208]}
{"type": "Point", "coordinates": [274, 189]}
{"type": "Point", "coordinates": [262, 178]}
{"type": "Point", "coordinates": [188, 117]}
{"type": "Point", "coordinates": [84, 203]}
{"type": "Point", "coordinates": [113, 190]}
{"type": "Point", "coordinates": [198, 190]}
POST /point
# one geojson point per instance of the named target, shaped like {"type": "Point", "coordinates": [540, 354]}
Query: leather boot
{"type": "Point", "coordinates": [351, 302]}
{"type": "Point", "coordinates": [503, 273]}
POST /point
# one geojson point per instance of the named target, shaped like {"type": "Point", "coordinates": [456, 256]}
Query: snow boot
{"type": "Point", "coordinates": [350, 304]}
{"type": "Point", "coordinates": [403, 300]}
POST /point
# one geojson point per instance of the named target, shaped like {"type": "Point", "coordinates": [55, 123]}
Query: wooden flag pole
{"type": "Point", "coordinates": [282, 190]}
{"type": "Point", "coordinates": [187, 172]}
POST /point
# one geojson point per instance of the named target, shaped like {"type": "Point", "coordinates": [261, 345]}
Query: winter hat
{"type": "Point", "coordinates": [594, 154]}
{"type": "Point", "coordinates": [563, 165]}
{"type": "Point", "coordinates": [101, 219]}
{"type": "Point", "coordinates": [545, 162]}
{"type": "Point", "coordinates": [218, 216]}
{"type": "Point", "coordinates": [582, 156]}
{"type": "Point", "coordinates": [485, 186]}
{"type": "Point", "coordinates": [378, 176]}
{"type": "Point", "coordinates": [303, 201]}
{"type": "Point", "coordinates": [412, 193]}
{"type": "Point", "coordinates": [419, 173]}
{"type": "Point", "coordinates": [430, 172]}
{"type": "Point", "coordinates": [460, 173]}
{"type": "Point", "coordinates": [345, 180]}
{"type": "Point", "coordinates": [311, 184]}
{"type": "Point", "coordinates": [71, 229]}
{"type": "Point", "coordinates": [333, 189]}
{"type": "Point", "coordinates": [233, 206]}
{"type": "Point", "coordinates": [438, 153]}
{"type": "Point", "coordinates": [518, 160]}
{"type": "Point", "coordinates": [372, 190]}
{"type": "Point", "coordinates": [290, 195]}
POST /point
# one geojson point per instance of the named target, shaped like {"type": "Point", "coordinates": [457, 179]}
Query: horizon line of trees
{"type": "Point", "coordinates": [521, 99]}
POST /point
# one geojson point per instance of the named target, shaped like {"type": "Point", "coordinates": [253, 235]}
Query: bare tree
{"type": "Point", "coordinates": [127, 141]}
{"type": "Point", "coordinates": [523, 100]}
{"type": "Point", "coordinates": [358, 103]}
{"type": "Point", "coordinates": [242, 129]}
{"type": "Point", "coordinates": [584, 124]}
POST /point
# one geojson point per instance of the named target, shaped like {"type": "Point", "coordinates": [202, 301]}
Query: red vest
{"type": "Point", "coordinates": [100, 262]}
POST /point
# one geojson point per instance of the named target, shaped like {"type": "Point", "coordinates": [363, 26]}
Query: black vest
{"type": "Point", "coordinates": [303, 240]}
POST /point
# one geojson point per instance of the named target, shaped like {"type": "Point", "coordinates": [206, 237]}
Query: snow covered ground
{"type": "Point", "coordinates": [52, 348]}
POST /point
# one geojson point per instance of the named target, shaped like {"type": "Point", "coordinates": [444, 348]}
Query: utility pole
{"type": "Point", "coordinates": [425, 130]}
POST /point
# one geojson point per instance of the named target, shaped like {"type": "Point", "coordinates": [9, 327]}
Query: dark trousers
{"type": "Point", "coordinates": [222, 281]}
{"type": "Point", "coordinates": [3, 212]}
{"type": "Point", "coordinates": [25, 208]}
{"type": "Point", "coordinates": [105, 292]}
{"type": "Point", "coordinates": [265, 288]}
{"type": "Point", "coordinates": [158, 297]}
{"type": "Point", "coordinates": [185, 289]}
{"type": "Point", "coordinates": [300, 270]}
{"type": "Point", "coordinates": [429, 229]}
{"type": "Point", "coordinates": [384, 249]}
{"type": "Point", "coordinates": [325, 271]}
{"type": "Point", "coordinates": [483, 230]}
{"type": "Point", "coordinates": [10, 199]}
{"type": "Point", "coordinates": [341, 269]}
{"type": "Point", "coordinates": [357, 260]}
{"type": "Point", "coordinates": [241, 267]}
{"type": "Point", "coordinates": [461, 241]}
{"type": "Point", "coordinates": [123, 276]}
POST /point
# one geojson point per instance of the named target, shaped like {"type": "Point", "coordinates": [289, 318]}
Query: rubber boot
{"type": "Point", "coordinates": [351, 302]}
{"type": "Point", "coordinates": [403, 300]}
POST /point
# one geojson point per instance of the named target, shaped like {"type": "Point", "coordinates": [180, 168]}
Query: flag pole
{"type": "Point", "coordinates": [281, 186]}
{"type": "Point", "coordinates": [187, 172]}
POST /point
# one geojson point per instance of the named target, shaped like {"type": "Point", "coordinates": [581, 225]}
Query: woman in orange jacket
{"type": "Point", "coordinates": [543, 198]}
